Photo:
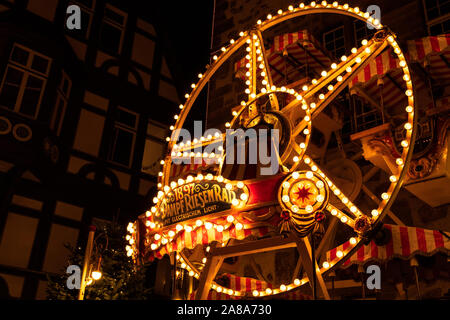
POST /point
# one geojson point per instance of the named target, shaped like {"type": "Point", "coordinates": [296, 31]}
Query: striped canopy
{"type": "Point", "coordinates": [404, 243]}
{"type": "Point", "coordinates": [290, 56]}
{"type": "Point", "coordinates": [434, 55]}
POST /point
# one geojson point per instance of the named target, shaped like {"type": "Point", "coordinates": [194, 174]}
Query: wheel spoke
{"type": "Point", "coordinates": [261, 64]}
{"type": "Point", "coordinates": [342, 216]}
{"type": "Point", "coordinates": [354, 211]}
{"type": "Point", "coordinates": [321, 92]}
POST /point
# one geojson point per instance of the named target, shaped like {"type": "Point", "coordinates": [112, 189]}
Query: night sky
{"type": "Point", "coordinates": [188, 26]}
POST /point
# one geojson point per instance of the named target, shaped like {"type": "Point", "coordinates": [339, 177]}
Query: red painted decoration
{"type": "Point", "coordinates": [303, 194]}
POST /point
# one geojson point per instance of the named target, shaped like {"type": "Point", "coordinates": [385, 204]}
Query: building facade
{"type": "Point", "coordinates": [82, 128]}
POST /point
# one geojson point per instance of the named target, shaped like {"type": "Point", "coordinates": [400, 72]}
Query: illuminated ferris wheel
{"type": "Point", "coordinates": [202, 219]}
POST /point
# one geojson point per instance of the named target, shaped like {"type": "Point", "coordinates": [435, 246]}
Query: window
{"type": "Point", "coordinates": [24, 81]}
{"type": "Point", "coordinates": [362, 32]}
{"type": "Point", "coordinates": [62, 95]}
{"type": "Point", "coordinates": [87, 14]}
{"type": "Point", "coordinates": [334, 41]}
{"type": "Point", "coordinates": [155, 147]}
{"type": "Point", "coordinates": [111, 33]}
{"type": "Point", "coordinates": [437, 13]}
{"type": "Point", "coordinates": [124, 136]}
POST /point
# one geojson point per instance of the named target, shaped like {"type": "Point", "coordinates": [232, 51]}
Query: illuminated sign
{"type": "Point", "coordinates": [199, 198]}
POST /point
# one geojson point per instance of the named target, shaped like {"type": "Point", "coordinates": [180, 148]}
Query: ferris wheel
{"type": "Point", "coordinates": [205, 218]}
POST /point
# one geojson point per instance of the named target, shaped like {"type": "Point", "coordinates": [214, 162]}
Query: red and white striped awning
{"type": "Point", "coordinates": [379, 66]}
{"type": "Point", "coordinates": [433, 53]}
{"type": "Point", "coordinates": [302, 47]}
{"type": "Point", "coordinates": [389, 88]}
{"type": "Point", "coordinates": [419, 49]}
{"type": "Point", "coordinates": [404, 243]}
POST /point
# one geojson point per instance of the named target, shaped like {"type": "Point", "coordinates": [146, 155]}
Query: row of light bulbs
{"type": "Point", "coordinates": [131, 238]}
{"type": "Point", "coordinates": [324, 4]}
{"type": "Point", "coordinates": [162, 240]}
{"type": "Point", "coordinates": [193, 272]}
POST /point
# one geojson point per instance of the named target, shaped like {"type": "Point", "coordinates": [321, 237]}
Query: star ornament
{"type": "Point", "coordinates": [303, 193]}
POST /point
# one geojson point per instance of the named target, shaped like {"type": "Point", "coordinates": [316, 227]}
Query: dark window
{"type": "Point", "coordinates": [110, 38]}
{"type": "Point", "coordinates": [123, 146]}
{"type": "Point", "coordinates": [126, 118]}
{"type": "Point", "coordinates": [40, 64]}
{"type": "Point", "coordinates": [124, 136]}
{"type": "Point", "coordinates": [112, 28]}
{"type": "Point", "coordinates": [24, 81]}
{"type": "Point", "coordinates": [61, 103]}
{"type": "Point", "coordinates": [438, 16]}
{"type": "Point", "coordinates": [11, 87]}
{"type": "Point", "coordinates": [334, 42]}
{"type": "Point", "coordinates": [31, 95]}
{"type": "Point", "coordinates": [362, 32]}
{"type": "Point", "coordinates": [20, 56]}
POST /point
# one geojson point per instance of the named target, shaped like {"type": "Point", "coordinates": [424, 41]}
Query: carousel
{"type": "Point", "coordinates": [235, 231]}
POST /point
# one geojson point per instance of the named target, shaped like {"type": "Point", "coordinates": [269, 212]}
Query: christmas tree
{"type": "Point", "coordinates": [121, 278]}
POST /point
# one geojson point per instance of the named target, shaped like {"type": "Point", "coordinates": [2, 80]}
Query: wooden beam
{"type": "Point", "coordinates": [399, 87]}
{"type": "Point", "coordinates": [297, 269]}
{"type": "Point", "coordinates": [342, 284]}
{"type": "Point", "coordinates": [377, 201]}
{"type": "Point", "coordinates": [256, 246]}
{"type": "Point", "coordinates": [369, 99]}
{"type": "Point", "coordinates": [304, 249]}
{"type": "Point", "coordinates": [207, 276]}
{"type": "Point", "coordinates": [311, 55]}
{"type": "Point", "coordinates": [328, 237]}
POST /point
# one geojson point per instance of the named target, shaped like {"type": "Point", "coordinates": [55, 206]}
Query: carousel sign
{"type": "Point", "coordinates": [199, 198]}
